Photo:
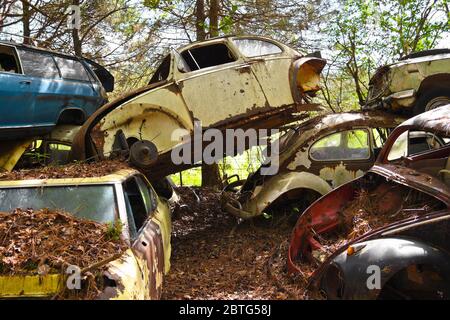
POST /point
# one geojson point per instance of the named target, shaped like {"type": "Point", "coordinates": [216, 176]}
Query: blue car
{"type": "Point", "coordinates": [40, 89]}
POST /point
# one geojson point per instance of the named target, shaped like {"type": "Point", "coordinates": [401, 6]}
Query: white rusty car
{"type": "Point", "coordinates": [224, 82]}
{"type": "Point", "coordinates": [418, 82]}
{"type": "Point", "coordinates": [314, 158]}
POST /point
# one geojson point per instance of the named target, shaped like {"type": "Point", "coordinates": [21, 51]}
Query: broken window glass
{"type": "Point", "coordinates": [207, 56]}
{"type": "Point", "coordinates": [345, 145]}
{"type": "Point", "coordinates": [255, 48]}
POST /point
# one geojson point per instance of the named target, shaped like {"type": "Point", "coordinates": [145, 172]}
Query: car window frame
{"type": "Point", "coordinates": [369, 142]}
{"type": "Point", "coordinates": [439, 139]}
{"type": "Point", "coordinates": [18, 60]}
{"type": "Point", "coordinates": [152, 194]}
{"type": "Point", "coordinates": [236, 55]}
{"type": "Point", "coordinates": [68, 185]}
{"type": "Point", "coordinates": [89, 76]}
{"type": "Point", "coordinates": [43, 52]}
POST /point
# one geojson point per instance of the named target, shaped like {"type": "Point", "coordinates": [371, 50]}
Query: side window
{"type": "Point", "coordinates": [413, 142]}
{"type": "Point", "coordinates": [38, 64]}
{"type": "Point", "coordinates": [134, 202]}
{"type": "Point", "coordinates": [72, 69]}
{"type": "Point", "coordinates": [255, 48]}
{"type": "Point", "coordinates": [207, 56]}
{"type": "Point", "coordinates": [148, 195]}
{"type": "Point", "coordinates": [380, 136]}
{"type": "Point", "coordinates": [345, 145]}
{"type": "Point", "coordinates": [8, 60]}
{"type": "Point", "coordinates": [162, 72]}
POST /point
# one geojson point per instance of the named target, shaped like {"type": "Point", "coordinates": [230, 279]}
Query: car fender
{"type": "Point", "coordinates": [131, 276]}
{"type": "Point", "coordinates": [305, 76]}
{"type": "Point", "coordinates": [278, 185]}
{"type": "Point", "coordinates": [11, 153]}
{"type": "Point", "coordinates": [387, 255]}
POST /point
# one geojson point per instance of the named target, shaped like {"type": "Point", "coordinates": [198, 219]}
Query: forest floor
{"type": "Point", "coordinates": [216, 257]}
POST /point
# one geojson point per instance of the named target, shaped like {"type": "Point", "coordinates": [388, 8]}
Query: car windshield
{"type": "Point", "coordinates": [95, 202]}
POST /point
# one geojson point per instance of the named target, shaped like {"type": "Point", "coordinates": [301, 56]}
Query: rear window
{"type": "Point", "coordinates": [72, 69]}
{"type": "Point", "coordinates": [38, 64]}
{"type": "Point", "coordinates": [345, 145]}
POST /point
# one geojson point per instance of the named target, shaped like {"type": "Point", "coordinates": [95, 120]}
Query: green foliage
{"type": "Point", "coordinates": [114, 230]}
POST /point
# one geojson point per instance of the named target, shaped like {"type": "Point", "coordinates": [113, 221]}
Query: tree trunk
{"type": "Point", "coordinates": [200, 20]}
{"type": "Point", "coordinates": [214, 18]}
{"type": "Point", "coordinates": [77, 45]}
{"type": "Point", "coordinates": [26, 17]}
{"type": "Point", "coordinates": [210, 173]}
{"type": "Point", "coordinates": [211, 176]}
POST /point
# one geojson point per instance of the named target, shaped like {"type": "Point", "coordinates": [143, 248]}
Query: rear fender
{"type": "Point", "coordinates": [390, 255]}
{"type": "Point", "coordinates": [305, 76]}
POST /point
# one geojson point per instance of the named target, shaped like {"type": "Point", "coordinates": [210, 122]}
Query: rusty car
{"type": "Point", "coordinates": [124, 195]}
{"type": "Point", "coordinates": [315, 157]}
{"type": "Point", "coordinates": [416, 83]}
{"type": "Point", "coordinates": [224, 82]}
{"type": "Point", "coordinates": [385, 234]}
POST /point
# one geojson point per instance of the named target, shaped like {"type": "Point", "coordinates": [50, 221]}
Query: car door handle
{"type": "Point", "coordinates": [25, 82]}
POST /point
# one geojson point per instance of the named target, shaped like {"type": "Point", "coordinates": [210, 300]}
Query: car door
{"type": "Point", "coordinates": [16, 91]}
{"type": "Point", "coordinates": [216, 84]}
{"type": "Point", "coordinates": [342, 156]}
{"type": "Point", "coordinates": [44, 81]}
{"type": "Point", "coordinates": [145, 233]}
{"type": "Point", "coordinates": [78, 90]}
{"type": "Point", "coordinates": [271, 68]}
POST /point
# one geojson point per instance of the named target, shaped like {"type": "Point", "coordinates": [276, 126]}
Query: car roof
{"type": "Point", "coordinates": [118, 176]}
{"type": "Point", "coordinates": [425, 53]}
{"type": "Point", "coordinates": [215, 39]}
{"type": "Point", "coordinates": [436, 120]}
{"type": "Point", "coordinates": [27, 46]}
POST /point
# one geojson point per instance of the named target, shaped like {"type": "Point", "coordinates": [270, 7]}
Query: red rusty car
{"type": "Point", "coordinates": [385, 234]}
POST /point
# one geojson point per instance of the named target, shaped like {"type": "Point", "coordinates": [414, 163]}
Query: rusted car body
{"type": "Point", "coordinates": [225, 82]}
{"type": "Point", "coordinates": [124, 196]}
{"type": "Point", "coordinates": [409, 187]}
{"type": "Point", "coordinates": [315, 157]}
{"type": "Point", "coordinates": [417, 83]}
{"type": "Point", "coordinates": [51, 149]}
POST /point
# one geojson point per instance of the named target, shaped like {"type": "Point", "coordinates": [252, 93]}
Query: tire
{"type": "Point", "coordinates": [431, 100]}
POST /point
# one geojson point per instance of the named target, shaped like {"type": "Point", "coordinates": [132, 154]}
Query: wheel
{"type": "Point", "coordinates": [431, 100]}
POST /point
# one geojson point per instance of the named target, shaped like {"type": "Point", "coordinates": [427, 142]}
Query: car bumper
{"type": "Point", "coordinates": [234, 207]}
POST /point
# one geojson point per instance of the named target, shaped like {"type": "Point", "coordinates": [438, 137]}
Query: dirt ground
{"type": "Point", "coordinates": [215, 256]}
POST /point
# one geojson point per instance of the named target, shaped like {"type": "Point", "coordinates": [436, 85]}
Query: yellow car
{"type": "Point", "coordinates": [125, 196]}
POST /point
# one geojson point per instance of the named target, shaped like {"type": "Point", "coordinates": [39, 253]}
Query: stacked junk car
{"type": "Point", "coordinates": [89, 208]}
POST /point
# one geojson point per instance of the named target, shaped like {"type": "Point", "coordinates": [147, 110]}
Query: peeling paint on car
{"type": "Point", "coordinates": [339, 175]}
